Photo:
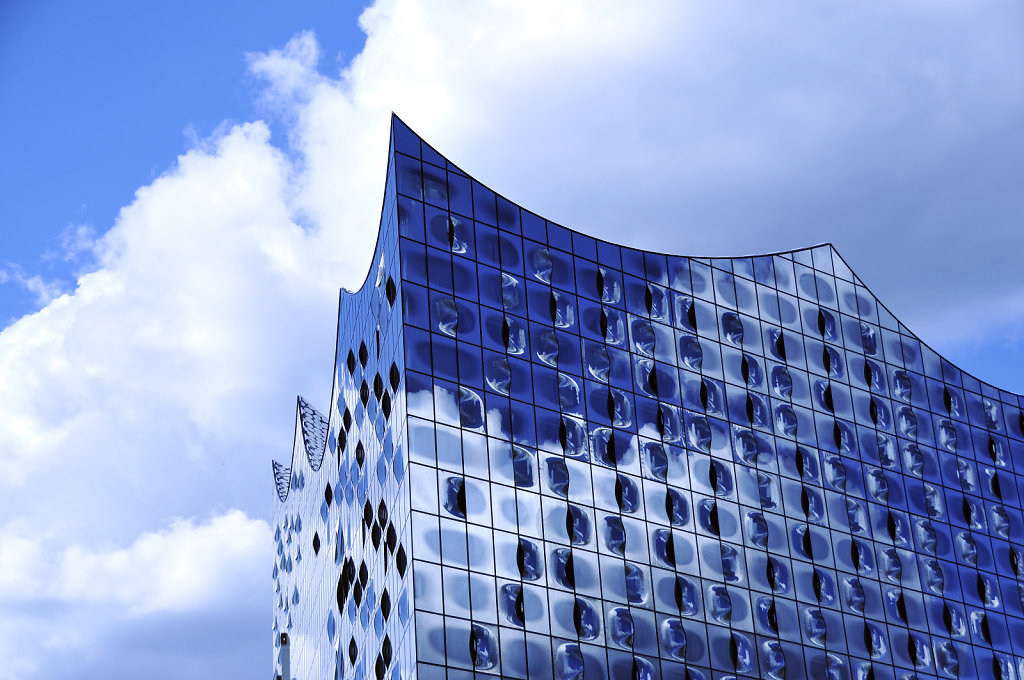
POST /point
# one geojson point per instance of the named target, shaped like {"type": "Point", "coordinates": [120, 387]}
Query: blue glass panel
{"type": "Point", "coordinates": [460, 195]}
{"type": "Point", "coordinates": [533, 227]}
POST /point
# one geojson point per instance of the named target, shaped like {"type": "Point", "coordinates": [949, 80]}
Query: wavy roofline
{"type": "Point", "coordinates": [343, 293]}
{"type": "Point", "coordinates": [835, 251]}
{"type": "Point", "coordinates": [1017, 395]}
{"type": "Point", "coordinates": [282, 482]}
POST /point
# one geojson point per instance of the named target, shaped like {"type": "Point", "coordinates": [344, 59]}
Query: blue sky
{"type": "Point", "coordinates": [186, 186]}
{"type": "Point", "coordinates": [100, 97]}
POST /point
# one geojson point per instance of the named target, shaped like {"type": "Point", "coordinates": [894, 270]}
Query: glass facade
{"type": "Point", "coordinates": [548, 455]}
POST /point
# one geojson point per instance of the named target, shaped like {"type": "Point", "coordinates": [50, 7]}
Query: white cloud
{"type": "Point", "coordinates": [21, 558]}
{"type": "Point", "coordinates": [188, 566]}
{"type": "Point", "coordinates": [77, 239]}
{"type": "Point", "coordinates": [45, 291]}
{"type": "Point", "coordinates": [162, 384]}
{"type": "Point", "coordinates": [80, 601]}
{"type": "Point", "coordinates": [292, 69]}
{"type": "Point", "coordinates": [199, 285]}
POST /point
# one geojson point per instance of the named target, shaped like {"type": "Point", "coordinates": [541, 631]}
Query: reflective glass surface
{"type": "Point", "coordinates": [552, 456]}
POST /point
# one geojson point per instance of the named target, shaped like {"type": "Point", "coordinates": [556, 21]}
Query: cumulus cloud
{"type": "Point", "coordinates": [291, 70]}
{"type": "Point", "coordinates": [195, 288]}
{"type": "Point", "coordinates": [161, 383]}
{"type": "Point", "coordinates": [160, 387]}
{"type": "Point", "coordinates": [76, 240]}
{"type": "Point", "coordinates": [44, 290]}
{"type": "Point", "coordinates": [86, 601]}
{"type": "Point", "coordinates": [21, 558]}
{"type": "Point", "coordinates": [187, 566]}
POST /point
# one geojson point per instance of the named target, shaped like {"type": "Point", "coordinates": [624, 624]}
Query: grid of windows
{"type": "Point", "coordinates": [627, 464]}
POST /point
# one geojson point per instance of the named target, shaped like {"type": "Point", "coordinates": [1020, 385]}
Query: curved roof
{"type": "Point", "coordinates": [823, 273]}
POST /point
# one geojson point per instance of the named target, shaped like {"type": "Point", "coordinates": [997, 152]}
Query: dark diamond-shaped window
{"type": "Point", "coordinates": [351, 362]}
{"type": "Point", "coordinates": [360, 454]}
{"type": "Point", "coordinates": [400, 560]}
{"type": "Point", "coordinates": [364, 393]}
{"type": "Point", "coordinates": [380, 668]}
{"type": "Point", "coordinates": [385, 405]}
{"type": "Point", "coordinates": [382, 513]}
{"type": "Point", "coordinates": [376, 536]}
{"type": "Point", "coordinates": [385, 604]}
{"type": "Point", "coordinates": [378, 386]}
{"type": "Point", "coordinates": [357, 593]}
{"type": "Point", "coordinates": [316, 543]}
{"type": "Point", "coordinates": [385, 649]}
{"type": "Point", "coordinates": [342, 592]}
{"type": "Point", "coordinates": [364, 574]}
{"type": "Point", "coordinates": [367, 514]}
{"type": "Point", "coordinates": [353, 651]}
{"type": "Point", "coordinates": [364, 356]}
{"type": "Point", "coordinates": [390, 291]}
{"type": "Point", "coordinates": [392, 537]}
{"type": "Point", "coordinates": [396, 377]}
{"type": "Point", "coordinates": [346, 419]}
{"type": "Point", "coordinates": [328, 494]}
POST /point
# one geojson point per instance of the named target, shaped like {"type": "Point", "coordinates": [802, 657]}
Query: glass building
{"type": "Point", "coordinates": [547, 455]}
